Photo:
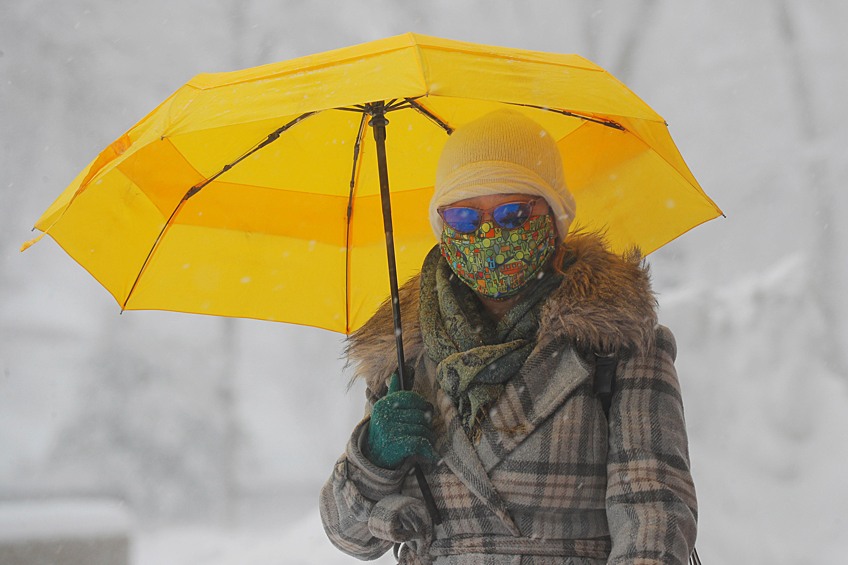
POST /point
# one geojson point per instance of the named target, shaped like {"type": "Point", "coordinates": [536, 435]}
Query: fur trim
{"type": "Point", "coordinates": [371, 349]}
{"type": "Point", "coordinates": [605, 304]}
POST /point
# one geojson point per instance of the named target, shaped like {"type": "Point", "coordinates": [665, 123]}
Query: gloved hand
{"type": "Point", "coordinates": [400, 427]}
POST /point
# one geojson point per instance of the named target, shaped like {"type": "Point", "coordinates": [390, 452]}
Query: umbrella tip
{"type": "Point", "coordinates": [27, 244]}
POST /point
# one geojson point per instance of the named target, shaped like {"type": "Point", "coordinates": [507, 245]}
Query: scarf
{"type": "Point", "coordinates": [474, 356]}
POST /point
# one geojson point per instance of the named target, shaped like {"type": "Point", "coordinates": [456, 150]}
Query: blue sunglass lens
{"type": "Point", "coordinates": [463, 220]}
{"type": "Point", "coordinates": [512, 214]}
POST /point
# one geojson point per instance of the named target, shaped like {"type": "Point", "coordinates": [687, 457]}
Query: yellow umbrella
{"type": "Point", "coordinates": [256, 193]}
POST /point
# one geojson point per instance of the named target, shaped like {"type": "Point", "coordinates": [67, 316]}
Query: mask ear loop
{"type": "Point", "coordinates": [564, 258]}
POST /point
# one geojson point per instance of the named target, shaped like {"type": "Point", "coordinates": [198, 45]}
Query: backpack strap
{"type": "Point", "coordinates": [604, 387]}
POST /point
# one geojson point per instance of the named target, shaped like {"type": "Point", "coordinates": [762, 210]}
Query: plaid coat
{"type": "Point", "coordinates": [550, 479]}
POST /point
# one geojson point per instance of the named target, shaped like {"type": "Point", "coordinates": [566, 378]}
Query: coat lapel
{"type": "Point", "coordinates": [460, 456]}
{"type": "Point", "coordinates": [549, 376]}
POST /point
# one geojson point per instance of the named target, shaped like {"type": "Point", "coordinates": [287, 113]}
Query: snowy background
{"type": "Point", "coordinates": [216, 435]}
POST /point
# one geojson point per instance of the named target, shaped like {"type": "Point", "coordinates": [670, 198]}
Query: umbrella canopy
{"type": "Point", "coordinates": [256, 193]}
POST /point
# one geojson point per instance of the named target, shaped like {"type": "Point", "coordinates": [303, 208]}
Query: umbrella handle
{"type": "Point", "coordinates": [377, 111]}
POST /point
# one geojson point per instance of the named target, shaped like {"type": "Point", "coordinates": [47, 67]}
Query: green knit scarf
{"type": "Point", "coordinates": [474, 356]}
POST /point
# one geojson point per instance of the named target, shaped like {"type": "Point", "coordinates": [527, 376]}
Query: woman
{"type": "Point", "coordinates": [501, 329]}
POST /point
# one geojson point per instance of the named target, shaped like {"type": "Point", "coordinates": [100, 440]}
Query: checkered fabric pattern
{"type": "Point", "coordinates": [549, 480]}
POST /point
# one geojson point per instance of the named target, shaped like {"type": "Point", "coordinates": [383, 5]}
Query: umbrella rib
{"type": "Point", "coordinates": [153, 248]}
{"type": "Point", "coordinates": [616, 125]}
{"type": "Point", "coordinates": [353, 175]}
{"type": "Point", "coordinates": [691, 186]}
{"type": "Point", "coordinates": [607, 123]}
{"type": "Point", "coordinates": [433, 117]}
{"type": "Point", "coordinates": [273, 136]}
{"type": "Point", "coordinates": [388, 106]}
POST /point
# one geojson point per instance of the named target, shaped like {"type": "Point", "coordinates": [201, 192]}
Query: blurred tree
{"type": "Point", "coordinates": [149, 427]}
{"type": "Point", "coordinates": [813, 129]}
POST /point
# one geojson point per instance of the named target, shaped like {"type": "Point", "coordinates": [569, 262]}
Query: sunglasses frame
{"type": "Point", "coordinates": [491, 212]}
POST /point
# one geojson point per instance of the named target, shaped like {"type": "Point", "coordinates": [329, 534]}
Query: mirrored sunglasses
{"type": "Point", "coordinates": [509, 215]}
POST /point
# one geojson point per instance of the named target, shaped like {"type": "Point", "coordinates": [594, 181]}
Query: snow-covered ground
{"type": "Point", "coordinates": [301, 541]}
{"type": "Point", "coordinates": [216, 435]}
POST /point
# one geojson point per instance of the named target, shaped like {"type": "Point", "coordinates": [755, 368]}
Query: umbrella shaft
{"type": "Point", "coordinates": [379, 122]}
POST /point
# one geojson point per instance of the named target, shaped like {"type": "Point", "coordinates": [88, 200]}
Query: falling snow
{"type": "Point", "coordinates": [217, 434]}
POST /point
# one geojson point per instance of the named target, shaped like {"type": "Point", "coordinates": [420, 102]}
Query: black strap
{"type": "Point", "coordinates": [605, 366]}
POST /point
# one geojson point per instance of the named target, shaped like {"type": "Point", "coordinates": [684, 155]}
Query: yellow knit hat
{"type": "Point", "coordinates": [503, 152]}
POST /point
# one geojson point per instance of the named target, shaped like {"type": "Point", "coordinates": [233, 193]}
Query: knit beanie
{"type": "Point", "coordinates": [502, 153]}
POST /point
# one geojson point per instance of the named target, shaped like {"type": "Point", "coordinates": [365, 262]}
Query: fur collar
{"type": "Point", "coordinates": [604, 304]}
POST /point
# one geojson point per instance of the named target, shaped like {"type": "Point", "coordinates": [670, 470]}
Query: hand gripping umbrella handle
{"type": "Point", "coordinates": [378, 122]}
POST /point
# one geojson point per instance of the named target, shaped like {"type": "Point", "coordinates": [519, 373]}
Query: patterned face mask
{"type": "Point", "coordinates": [497, 262]}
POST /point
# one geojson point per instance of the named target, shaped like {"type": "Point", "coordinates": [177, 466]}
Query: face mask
{"type": "Point", "coordinates": [497, 262]}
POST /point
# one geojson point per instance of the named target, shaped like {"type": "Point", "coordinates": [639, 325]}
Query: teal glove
{"type": "Point", "coordinates": [400, 427]}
